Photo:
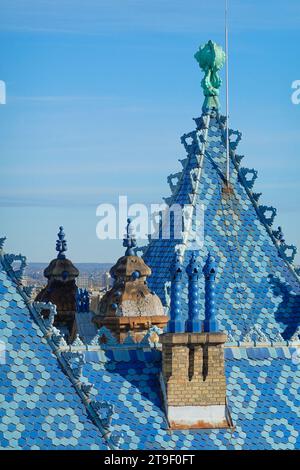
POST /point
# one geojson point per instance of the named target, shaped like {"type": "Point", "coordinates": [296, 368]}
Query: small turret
{"type": "Point", "coordinates": [129, 305]}
{"type": "Point", "coordinates": [61, 289]}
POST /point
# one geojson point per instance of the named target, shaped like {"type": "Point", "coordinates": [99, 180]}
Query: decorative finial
{"type": "Point", "coordinates": [192, 269]}
{"type": "Point", "coordinates": [61, 244]}
{"type": "Point", "coordinates": [2, 241]}
{"type": "Point", "coordinates": [278, 234]}
{"type": "Point", "coordinates": [176, 323]}
{"type": "Point", "coordinates": [209, 269]}
{"type": "Point", "coordinates": [211, 59]}
{"type": "Point", "coordinates": [129, 241]}
{"type": "Point", "coordinates": [176, 268]}
{"type": "Point", "coordinates": [210, 323]}
{"type": "Point", "coordinates": [193, 324]}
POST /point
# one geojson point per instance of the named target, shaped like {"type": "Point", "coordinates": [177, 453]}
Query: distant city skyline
{"type": "Point", "coordinates": [99, 93]}
{"type": "Point", "coordinates": [92, 276]}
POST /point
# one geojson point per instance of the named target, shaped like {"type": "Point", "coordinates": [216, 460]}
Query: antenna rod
{"type": "Point", "coordinates": [227, 95]}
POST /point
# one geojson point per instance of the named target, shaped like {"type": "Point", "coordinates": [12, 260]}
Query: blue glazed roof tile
{"type": "Point", "coordinates": [237, 234]}
{"type": "Point", "coordinates": [257, 300]}
{"type": "Point", "coordinates": [256, 408]}
{"type": "Point", "coordinates": [34, 390]}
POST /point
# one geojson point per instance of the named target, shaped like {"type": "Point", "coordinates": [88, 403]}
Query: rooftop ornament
{"type": "Point", "coordinates": [176, 323]}
{"type": "Point", "coordinates": [210, 324]}
{"type": "Point", "coordinates": [194, 323]}
{"type": "Point", "coordinates": [61, 244]}
{"type": "Point", "coordinates": [2, 241]}
{"type": "Point", "coordinates": [129, 306]}
{"type": "Point", "coordinates": [129, 241]}
{"type": "Point", "coordinates": [278, 234]}
{"type": "Point", "coordinates": [15, 265]}
{"type": "Point", "coordinates": [211, 59]}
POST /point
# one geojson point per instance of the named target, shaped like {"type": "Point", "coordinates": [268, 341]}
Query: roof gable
{"type": "Point", "coordinates": [256, 284]}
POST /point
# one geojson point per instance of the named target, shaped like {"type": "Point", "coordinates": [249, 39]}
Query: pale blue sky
{"type": "Point", "coordinates": [99, 93]}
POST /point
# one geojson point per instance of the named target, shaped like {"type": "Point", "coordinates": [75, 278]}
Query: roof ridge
{"type": "Point", "coordinates": [254, 197]}
{"type": "Point", "coordinates": [203, 127]}
{"type": "Point", "coordinates": [201, 130]}
{"type": "Point", "coordinates": [202, 148]}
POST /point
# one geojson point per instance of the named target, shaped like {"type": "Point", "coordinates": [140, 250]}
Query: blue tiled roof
{"type": "Point", "coordinates": [263, 391]}
{"type": "Point", "coordinates": [39, 408]}
{"type": "Point", "coordinates": [47, 399]}
{"type": "Point", "coordinates": [256, 283]}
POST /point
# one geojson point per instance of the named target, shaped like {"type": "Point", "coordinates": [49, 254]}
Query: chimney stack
{"type": "Point", "coordinates": [193, 378]}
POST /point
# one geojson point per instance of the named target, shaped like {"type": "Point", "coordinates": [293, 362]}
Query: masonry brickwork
{"type": "Point", "coordinates": [193, 368]}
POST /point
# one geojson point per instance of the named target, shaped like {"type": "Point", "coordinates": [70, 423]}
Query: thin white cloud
{"type": "Point", "coordinates": [164, 16]}
{"type": "Point", "coordinates": [279, 185]}
{"type": "Point", "coordinates": [81, 168]}
{"type": "Point", "coordinates": [71, 195]}
{"type": "Point", "coordinates": [57, 191]}
{"type": "Point", "coordinates": [59, 99]}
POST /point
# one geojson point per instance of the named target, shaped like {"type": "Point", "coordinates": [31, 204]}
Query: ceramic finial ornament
{"type": "Point", "coordinates": [210, 324]}
{"type": "Point", "coordinates": [2, 241]}
{"type": "Point", "coordinates": [211, 59]}
{"type": "Point", "coordinates": [129, 241]}
{"type": "Point", "coordinates": [61, 244]}
{"type": "Point", "coordinates": [176, 323]}
{"type": "Point", "coordinates": [193, 323]}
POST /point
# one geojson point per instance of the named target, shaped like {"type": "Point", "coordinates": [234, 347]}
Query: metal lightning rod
{"type": "Point", "coordinates": [227, 96]}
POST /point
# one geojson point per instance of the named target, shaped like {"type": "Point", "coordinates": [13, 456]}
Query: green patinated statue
{"type": "Point", "coordinates": [211, 59]}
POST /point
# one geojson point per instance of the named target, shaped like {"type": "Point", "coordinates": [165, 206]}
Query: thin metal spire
{"type": "Point", "coordinates": [227, 96]}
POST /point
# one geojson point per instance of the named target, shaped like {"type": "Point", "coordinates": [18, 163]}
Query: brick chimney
{"type": "Point", "coordinates": [193, 379]}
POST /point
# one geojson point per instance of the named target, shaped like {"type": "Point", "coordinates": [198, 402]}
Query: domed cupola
{"type": "Point", "coordinates": [129, 305]}
{"type": "Point", "coordinates": [61, 288]}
